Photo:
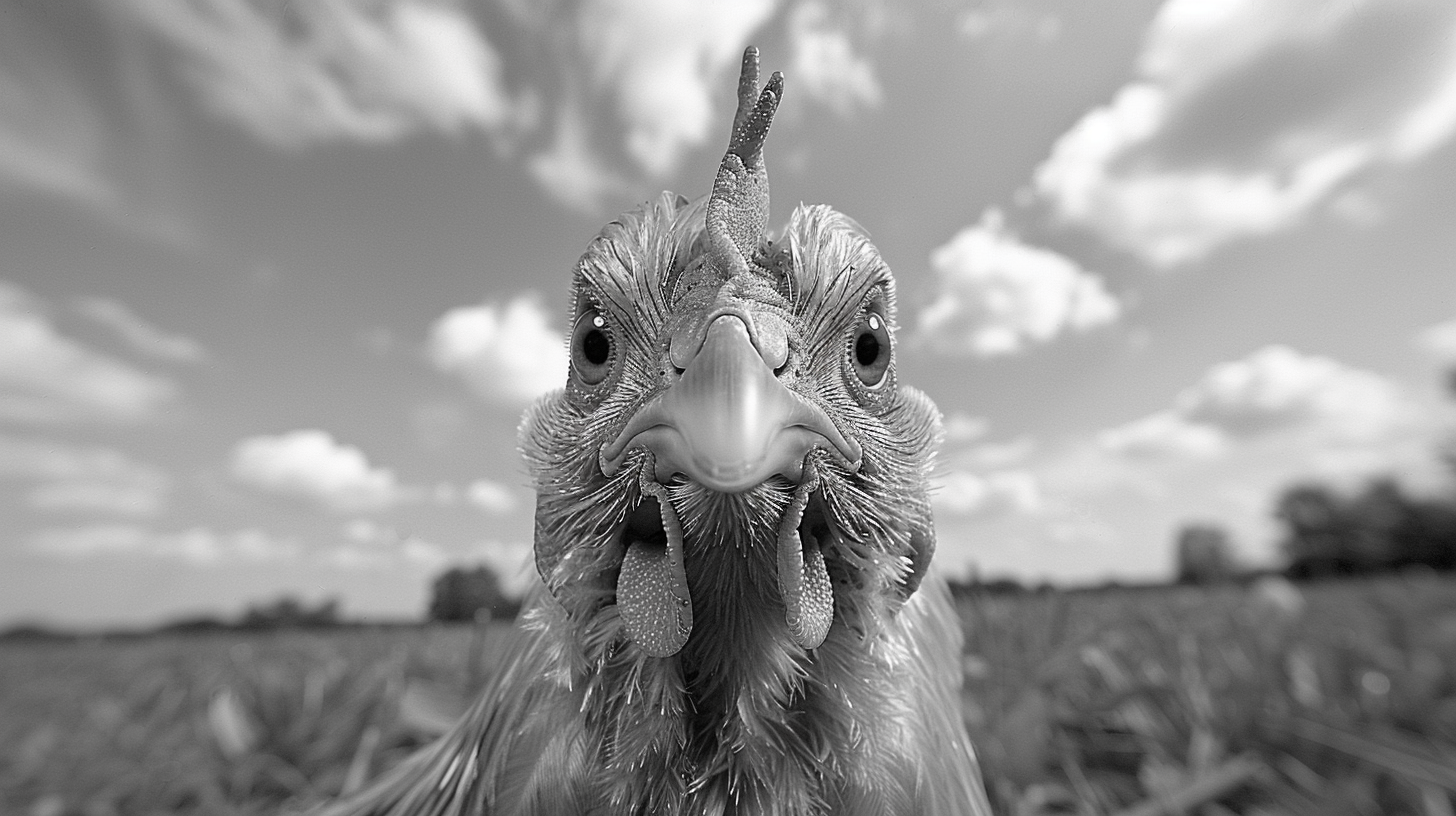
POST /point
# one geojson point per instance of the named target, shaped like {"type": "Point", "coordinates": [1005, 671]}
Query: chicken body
{"type": "Point", "coordinates": [732, 528]}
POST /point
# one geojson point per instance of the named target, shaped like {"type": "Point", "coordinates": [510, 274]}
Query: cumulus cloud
{"type": "Point", "coordinates": [1277, 387]}
{"type": "Point", "coordinates": [825, 63]}
{"type": "Point", "coordinates": [1440, 341]}
{"type": "Point", "coordinates": [1273, 390]}
{"type": "Point", "coordinates": [663, 60]}
{"type": "Point", "coordinates": [506, 352]}
{"type": "Point", "coordinates": [490, 496]}
{"type": "Point", "coordinates": [999, 295]}
{"type": "Point", "coordinates": [198, 545]}
{"type": "Point", "coordinates": [320, 71]}
{"type": "Point", "coordinates": [312, 465]}
{"type": "Point", "coordinates": [141, 335]}
{"type": "Point", "coordinates": [964, 493]}
{"type": "Point", "coordinates": [48, 378]}
{"type": "Point", "coordinates": [635, 86]}
{"type": "Point", "coordinates": [1164, 433]}
{"type": "Point", "coordinates": [1247, 115]}
{"type": "Point", "coordinates": [963, 427]}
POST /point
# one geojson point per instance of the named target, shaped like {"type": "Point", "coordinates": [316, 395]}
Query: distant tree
{"type": "Point", "coordinates": [1204, 554]}
{"type": "Point", "coordinates": [290, 612]}
{"type": "Point", "coordinates": [464, 595]}
{"type": "Point", "coordinates": [1316, 537]}
{"type": "Point", "coordinates": [1378, 529]}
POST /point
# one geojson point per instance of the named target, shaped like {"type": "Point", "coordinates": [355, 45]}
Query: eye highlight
{"type": "Point", "coordinates": [591, 348]}
{"type": "Point", "coordinates": [869, 350]}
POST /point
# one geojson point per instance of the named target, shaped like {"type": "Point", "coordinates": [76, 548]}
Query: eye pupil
{"type": "Point", "coordinates": [870, 349]}
{"type": "Point", "coordinates": [595, 347]}
{"type": "Point", "coordinates": [591, 348]}
{"type": "Point", "coordinates": [866, 349]}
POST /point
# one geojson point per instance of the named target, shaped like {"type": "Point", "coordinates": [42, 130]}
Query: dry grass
{"type": "Point", "coordinates": [1334, 699]}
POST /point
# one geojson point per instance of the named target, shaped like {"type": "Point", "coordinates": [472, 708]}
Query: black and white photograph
{"type": "Point", "coordinates": [711, 408]}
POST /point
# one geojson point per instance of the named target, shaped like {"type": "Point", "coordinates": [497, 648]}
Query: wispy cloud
{"type": "Point", "coordinates": [619, 93]}
{"type": "Point", "coordinates": [506, 352]}
{"type": "Point", "coordinates": [48, 378]}
{"type": "Point", "coordinates": [570, 170]}
{"type": "Point", "coordinates": [1247, 116]}
{"type": "Point", "coordinates": [141, 335]}
{"type": "Point", "coordinates": [51, 138]}
{"type": "Point", "coordinates": [999, 295]}
{"type": "Point", "coordinates": [63, 477]}
{"type": "Point", "coordinates": [1010, 21]}
{"type": "Point", "coordinates": [308, 72]}
{"type": "Point", "coordinates": [198, 545]}
{"type": "Point", "coordinates": [310, 464]}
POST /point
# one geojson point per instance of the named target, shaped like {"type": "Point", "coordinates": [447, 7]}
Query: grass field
{"type": "Point", "coordinates": [1337, 698]}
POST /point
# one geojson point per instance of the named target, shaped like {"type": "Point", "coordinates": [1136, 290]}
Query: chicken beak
{"type": "Point", "coordinates": [729, 423]}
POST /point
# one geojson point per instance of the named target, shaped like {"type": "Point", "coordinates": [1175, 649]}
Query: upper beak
{"type": "Point", "coordinates": [729, 423]}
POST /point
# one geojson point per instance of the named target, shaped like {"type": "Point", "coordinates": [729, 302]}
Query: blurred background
{"type": "Point", "coordinates": [277, 278]}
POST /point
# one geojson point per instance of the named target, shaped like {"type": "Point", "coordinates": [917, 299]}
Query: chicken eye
{"type": "Point", "coordinates": [870, 353]}
{"type": "Point", "coordinates": [591, 348]}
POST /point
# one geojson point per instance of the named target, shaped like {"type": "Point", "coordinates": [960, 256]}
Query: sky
{"type": "Point", "coordinates": [278, 278]}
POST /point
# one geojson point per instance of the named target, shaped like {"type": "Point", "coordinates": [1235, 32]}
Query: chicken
{"type": "Point", "coordinates": [732, 527]}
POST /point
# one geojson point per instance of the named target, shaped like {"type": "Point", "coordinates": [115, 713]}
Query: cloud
{"type": "Point", "coordinates": [311, 465]}
{"type": "Point", "coordinates": [633, 88]}
{"type": "Point", "coordinates": [139, 334]}
{"type": "Point", "coordinates": [51, 139]}
{"type": "Point", "coordinates": [570, 170]}
{"type": "Point", "coordinates": [67, 478]}
{"type": "Point", "coordinates": [825, 64]}
{"type": "Point", "coordinates": [386, 549]}
{"type": "Point", "coordinates": [962, 427]}
{"type": "Point", "coordinates": [1109, 503]}
{"type": "Point", "coordinates": [999, 295]}
{"type": "Point", "coordinates": [198, 545]}
{"type": "Point", "coordinates": [47, 378]}
{"type": "Point", "coordinates": [372, 546]}
{"type": "Point", "coordinates": [1274, 390]}
{"type": "Point", "coordinates": [963, 493]}
{"type": "Point", "coordinates": [1007, 21]}
{"type": "Point", "coordinates": [663, 60]}
{"type": "Point", "coordinates": [1248, 115]}
{"type": "Point", "coordinates": [1440, 341]}
{"type": "Point", "coordinates": [506, 352]}
{"type": "Point", "coordinates": [1278, 388]}
{"type": "Point", "coordinates": [1164, 433]}
{"type": "Point", "coordinates": [490, 496]}
{"type": "Point", "coordinates": [324, 71]}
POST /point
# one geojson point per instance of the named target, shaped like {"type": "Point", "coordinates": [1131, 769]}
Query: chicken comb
{"type": "Point", "coordinates": [738, 207]}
